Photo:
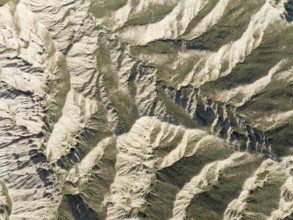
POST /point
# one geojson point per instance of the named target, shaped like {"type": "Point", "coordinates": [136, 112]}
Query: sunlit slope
{"type": "Point", "coordinates": [146, 109]}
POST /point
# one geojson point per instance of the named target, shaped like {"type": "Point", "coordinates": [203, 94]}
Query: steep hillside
{"type": "Point", "coordinates": [146, 109]}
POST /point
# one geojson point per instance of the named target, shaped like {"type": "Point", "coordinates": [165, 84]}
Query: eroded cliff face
{"type": "Point", "coordinates": [144, 109]}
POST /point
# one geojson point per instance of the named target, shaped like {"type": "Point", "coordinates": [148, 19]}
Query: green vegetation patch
{"type": "Point", "coordinates": [57, 87]}
{"type": "Point", "coordinates": [170, 180]}
{"type": "Point", "coordinates": [102, 8]}
{"type": "Point", "coordinates": [166, 147]}
{"type": "Point", "coordinates": [281, 139]}
{"type": "Point", "coordinates": [157, 47]}
{"type": "Point", "coordinates": [264, 200]}
{"type": "Point", "coordinates": [100, 180]}
{"type": "Point", "coordinates": [96, 129]}
{"type": "Point", "coordinates": [237, 16]}
{"type": "Point", "coordinates": [3, 2]}
{"type": "Point", "coordinates": [7, 203]}
{"type": "Point", "coordinates": [168, 53]}
{"type": "Point", "coordinates": [258, 63]}
{"type": "Point", "coordinates": [204, 12]}
{"type": "Point", "coordinates": [213, 203]}
{"type": "Point", "coordinates": [152, 14]}
{"type": "Point", "coordinates": [122, 102]}
{"type": "Point", "coordinates": [272, 100]}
